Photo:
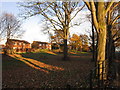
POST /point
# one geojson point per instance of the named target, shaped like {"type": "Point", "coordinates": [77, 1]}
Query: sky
{"type": "Point", "coordinates": [33, 25]}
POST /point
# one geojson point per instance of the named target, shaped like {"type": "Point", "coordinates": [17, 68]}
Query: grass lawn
{"type": "Point", "coordinates": [44, 69]}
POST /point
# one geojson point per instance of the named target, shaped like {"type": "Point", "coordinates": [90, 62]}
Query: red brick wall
{"type": "Point", "coordinates": [18, 46]}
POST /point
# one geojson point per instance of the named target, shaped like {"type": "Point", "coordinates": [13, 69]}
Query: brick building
{"type": "Point", "coordinates": [2, 48]}
{"type": "Point", "coordinates": [41, 45]}
{"type": "Point", "coordinates": [18, 45]}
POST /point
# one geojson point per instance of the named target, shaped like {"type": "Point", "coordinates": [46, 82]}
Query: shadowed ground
{"type": "Point", "coordinates": [17, 73]}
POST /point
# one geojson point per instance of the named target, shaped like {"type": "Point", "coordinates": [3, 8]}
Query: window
{"type": "Point", "coordinates": [19, 43]}
{"type": "Point", "coordinates": [14, 48]}
{"type": "Point", "coordinates": [39, 44]}
{"type": "Point", "coordinates": [15, 43]}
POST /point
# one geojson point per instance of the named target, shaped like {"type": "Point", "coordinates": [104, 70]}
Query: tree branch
{"type": "Point", "coordinates": [113, 22]}
{"type": "Point", "coordinates": [87, 4]}
{"type": "Point", "coordinates": [109, 6]}
{"type": "Point", "coordinates": [93, 12]}
{"type": "Point", "coordinates": [116, 39]}
{"type": "Point", "coordinates": [77, 12]}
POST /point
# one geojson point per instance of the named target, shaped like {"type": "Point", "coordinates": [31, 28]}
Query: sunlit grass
{"type": "Point", "coordinates": [49, 52]}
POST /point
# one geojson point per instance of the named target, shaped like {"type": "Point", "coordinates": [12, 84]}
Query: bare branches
{"type": "Point", "coordinates": [58, 14]}
{"type": "Point", "coordinates": [10, 26]}
{"type": "Point", "coordinates": [114, 6]}
{"type": "Point", "coordinates": [113, 22]}
{"type": "Point", "coordinates": [94, 14]}
{"type": "Point", "coordinates": [117, 39]}
{"type": "Point", "coordinates": [109, 6]}
{"type": "Point", "coordinates": [77, 12]}
{"type": "Point", "coordinates": [88, 4]}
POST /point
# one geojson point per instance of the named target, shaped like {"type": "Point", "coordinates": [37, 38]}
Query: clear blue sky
{"type": "Point", "coordinates": [10, 7]}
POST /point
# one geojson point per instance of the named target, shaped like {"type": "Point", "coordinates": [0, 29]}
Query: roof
{"type": "Point", "coordinates": [40, 42]}
{"type": "Point", "coordinates": [19, 40]}
{"type": "Point", "coordinates": [2, 46]}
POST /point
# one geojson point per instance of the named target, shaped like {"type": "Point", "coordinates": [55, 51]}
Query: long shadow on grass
{"type": "Point", "coordinates": [80, 53]}
{"type": "Point", "coordinates": [40, 55]}
{"type": "Point", "coordinates": [9, 62]}
{"type": "Point", "coordinates": [36, 64]}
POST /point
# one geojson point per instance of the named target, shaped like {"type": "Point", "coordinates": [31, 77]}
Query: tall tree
{"type": "Point", "coordinates": [99, 12]}
{"type": "Point", "coordinates": [113, 34]}
{"type": "Point", "coordinates": [58, 15]}
{"type": "Point", "coordinates": [93, 37]}
{"type": "Point", "coordinates": [10, 26]}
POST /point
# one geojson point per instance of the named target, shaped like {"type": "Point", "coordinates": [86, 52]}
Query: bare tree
{"type": "Point", "coordinates": [58, 15]}
{"type": "Point", "coordinates": [10, 26]}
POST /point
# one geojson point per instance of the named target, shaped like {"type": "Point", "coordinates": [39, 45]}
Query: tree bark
{"type": "Point", "coordinates": [93, 43]}
{"type": "Point", "coordinates": [101, 51]}
{"type": "Point", "coordinates": [102, 33]}
{"type": "Point", "coordinates": [109, 44]}
{"type": "Point", "coordinates": [65, 52]}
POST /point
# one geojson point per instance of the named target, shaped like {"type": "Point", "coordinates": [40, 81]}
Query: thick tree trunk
{"type": "Point", "coordinates": [65, 52]}
{"type": "Point", "coordinates": [101, 46]}
{"type": "Point", "coordinates": [102, 33]}
{"type": "Point", "coordinates": [101, 51]}
{"type": "Point", "coordinates": [110, 45]}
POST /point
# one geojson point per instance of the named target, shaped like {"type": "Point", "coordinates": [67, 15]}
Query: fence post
{"type": "Point", "coordinates": [103, 74]}
{"type": "Point", "coordinates": [91, 83]}
{"type": "Point", "coordinates": [98, 74]}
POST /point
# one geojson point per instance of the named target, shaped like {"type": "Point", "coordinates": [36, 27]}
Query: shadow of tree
{"type": "Point", "coordinates": [36, 64]}
{"type": "Point", "coordinates": [9, 62]}
{"type": "Point", "coordinates": [42, 55]}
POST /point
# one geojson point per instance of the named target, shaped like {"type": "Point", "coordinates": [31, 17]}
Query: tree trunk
{"type": "Point", "coordinates": [109, 55]}
{"type": "Point", "coordinates": [65, 52]}
{"type": "Point", "coordinates": [93, 43]}
{"type": "Point", "coordinates": [101, 51]}
{"type": "Point", "coordinates": [101, 46]}
{"type": "Point", "coordinates": [113, 50]}
{"type": "Point", "coordinates": [102, 32]}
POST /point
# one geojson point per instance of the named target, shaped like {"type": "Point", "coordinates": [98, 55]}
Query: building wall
{"type": "Point", "coordinates": [18, 46]}
{"type": "Point", "coordinates": [40, 45]}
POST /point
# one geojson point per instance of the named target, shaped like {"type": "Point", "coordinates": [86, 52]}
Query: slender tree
{"type": "Point", "coordinates": [113, 32]}
{"type": "Point", "coordinates": [93, 37]}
